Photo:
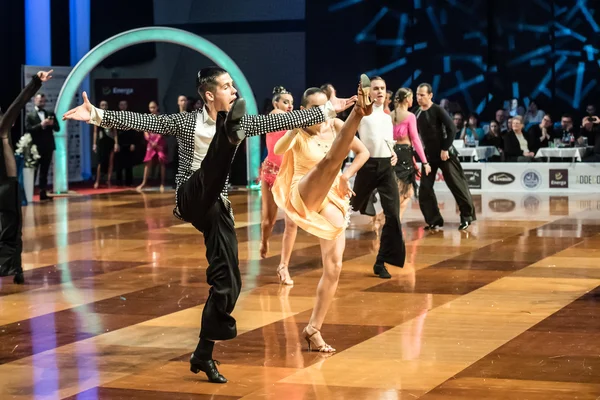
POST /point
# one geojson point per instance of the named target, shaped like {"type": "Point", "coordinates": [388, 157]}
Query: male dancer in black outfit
{"type": "Point", "coordinates": [11, 224]}
{"type": "Point", "coordinates": [208, 139]}
{"type": "Point", "coordinates": [437, 132]}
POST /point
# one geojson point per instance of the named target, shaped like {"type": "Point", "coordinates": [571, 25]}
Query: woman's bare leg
{"type": "Point", "coordinates": [146, 170]}
{"type": "Point", "coordinates": [269, 216]}
{"type": "Point", "coordinates": [98, 174]}
{"type": "Point", "coordinates": [315, 185]}
{"type": "Point", "coordinates": [405, 201]}
{"type": "Point", "coordinates": [332, 252]}
{"type": "Point", "coordinates": [163, 170]}
{"type": "Point", "coordinates": [111, 163]}
{"type": "Point", "coordinates": [287, 245]}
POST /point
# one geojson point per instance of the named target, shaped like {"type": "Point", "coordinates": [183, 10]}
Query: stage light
{"type": "Point", "coordinates": [130, 38]}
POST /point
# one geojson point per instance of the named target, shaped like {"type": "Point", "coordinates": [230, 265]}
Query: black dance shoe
{"type": "Point", "coordinates": [19, 279]}
{"type": "Point", "coordinates": [235, 133]}
{"type": "Point", "coordinates": [209, 367]}
{"type": "Point", "coordinates": [436, 225]}
{"type": "Point", "coordinates": [381, 271]}
{"type": "Point", "coordinates": [464, 225]}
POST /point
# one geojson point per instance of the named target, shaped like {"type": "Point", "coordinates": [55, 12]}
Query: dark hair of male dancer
{"type": "Point", "coordinates": [438, 131]}
{"type": "Point", "coordinates": [376, 132]}
{"type": "Point", "coordinates": [201, 197]}
{"type": "Point", "coordinates": [11, 242]}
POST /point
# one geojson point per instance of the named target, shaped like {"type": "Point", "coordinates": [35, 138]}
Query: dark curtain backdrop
{"type": "Point", "coordinates": [477, 53]}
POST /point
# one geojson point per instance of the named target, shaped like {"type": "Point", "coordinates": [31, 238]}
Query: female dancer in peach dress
{"type": "Point", "coordinates": [407, 142]}
{"type": "Point", "coordinates": [282, 102]}
{"type": "Point", "coordinates": [314, 193]}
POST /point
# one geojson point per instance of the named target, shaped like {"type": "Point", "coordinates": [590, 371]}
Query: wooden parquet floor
{"type": "Point", "coordinates": [115, 287]}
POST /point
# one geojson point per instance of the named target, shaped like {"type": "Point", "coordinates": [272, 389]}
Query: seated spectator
{"type": "Point", "coordinates": [533, 115]}
{"type": "Point", "coordinates": [539, 136]}
{"type": "Point", "coordinates": [591, 131]}
{"type": "Point", "coordinates": [516, 146]}
{"type": "Point", "coordinates": [472, 133]}
{"type": "Point", "coordinates": [494, 138]}
{"type": "Point", "coordinates": [566, 130]}
{"type": "Point", "coordinates": [459, 121]}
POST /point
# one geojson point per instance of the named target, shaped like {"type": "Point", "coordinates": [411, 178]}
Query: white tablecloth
{"type": "Point", "coordinates": [478, 153]}
{"type": "Point", "coordinates": [565, 152]}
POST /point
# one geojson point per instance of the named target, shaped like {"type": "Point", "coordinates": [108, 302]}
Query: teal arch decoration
{"type": "Point", "coordinates": [130, 38]}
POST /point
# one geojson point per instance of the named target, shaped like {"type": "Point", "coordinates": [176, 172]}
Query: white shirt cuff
{"type": "Point", "coordinates": [96, 116]}
{"type": "Point", "coordinates": [328, 111]}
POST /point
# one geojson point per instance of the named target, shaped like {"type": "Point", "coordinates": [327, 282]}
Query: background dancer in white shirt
{"type": "Point", "coordinates": [376, 132]}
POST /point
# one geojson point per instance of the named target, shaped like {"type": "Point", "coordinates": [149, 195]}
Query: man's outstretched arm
{"type": "Point", "coordinates": [125, 120]}
{"type": "Point", "coordinates": [261, 124]}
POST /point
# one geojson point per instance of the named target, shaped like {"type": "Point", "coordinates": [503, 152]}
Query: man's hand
{"type": "Point", "coordinates": [595, 120]}
{"type": "Point", "coordinates": [94, 148]}
{"type": "Point", "coordinates": [116, 149]}
{"type": "Point", "coordinates": [394, 158]}
{"type": "Point", "coordinates": [444, 155]}
{"type": "Point", "coordinates": [47, 122]}
{"type": "Point", "coordinates": [80, 113]}
{"type": "Point", "coordinates": [45, 76]}
{"type": "Point", "coordinates": [340, 105]}
{"type": "Point", "coordinates": [132, 147]}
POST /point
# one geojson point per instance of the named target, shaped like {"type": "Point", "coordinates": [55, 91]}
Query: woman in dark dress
{"type": "Point", "coordinates": [105, 141]}
{"type": "Point", "coordinates": [11, 223]}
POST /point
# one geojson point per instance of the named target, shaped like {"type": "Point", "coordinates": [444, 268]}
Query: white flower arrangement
{"type": "Point", "coordinates": [28, 151]}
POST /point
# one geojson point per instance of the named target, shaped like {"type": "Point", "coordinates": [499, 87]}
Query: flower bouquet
{"type": "Point", "coordinates": [28, 151]}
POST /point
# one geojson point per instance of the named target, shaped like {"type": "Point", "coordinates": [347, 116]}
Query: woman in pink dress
{"type": "Point", "coordinates": [156, 148]}
{"type": "Point", "coordinates": [407, 143]}
{"type": "Point", "coordinates": [282, 102]}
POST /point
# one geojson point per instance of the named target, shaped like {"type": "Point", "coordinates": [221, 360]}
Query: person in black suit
{"type": "Point", "coordinates": [42, 124]}
{"type": "Point", "coordinates": [539, 136]}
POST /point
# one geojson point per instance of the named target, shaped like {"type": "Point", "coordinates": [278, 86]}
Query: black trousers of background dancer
{"type": "Point", "coordinates": [199, 203]}
{"type": "Point", "coordinates": [378, 173]}
{"type": "Point", "coordinates": [11, 221]}
{"type": "Point", "coordinates": [457, 183]}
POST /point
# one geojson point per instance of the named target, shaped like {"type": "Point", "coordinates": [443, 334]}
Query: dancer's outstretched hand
{"type": "Point", "coordinates": [45, 76]}
{"type": "Point", "coordinates": [340, 105]}
{"type": "Point", "coordinates": [81, 113]}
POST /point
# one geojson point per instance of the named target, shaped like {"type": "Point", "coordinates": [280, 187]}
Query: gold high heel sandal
{"type": "Point", "coordinates": [365, 84]}
{"type": "Point", "coordinates": [324, 348]}
{"type": "Point", "coordinates": [283, 279]}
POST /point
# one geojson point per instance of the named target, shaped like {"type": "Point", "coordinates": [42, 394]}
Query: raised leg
{"type": "Point", "coordinates": [315, 185]}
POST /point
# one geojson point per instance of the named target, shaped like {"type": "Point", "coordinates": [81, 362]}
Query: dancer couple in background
{"type": "Point", "coordinates": [208, 139]}
{"type": "Point", "coordinates": [437, 131]}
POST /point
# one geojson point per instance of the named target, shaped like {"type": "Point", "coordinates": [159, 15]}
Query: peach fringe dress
{"type": "Point", "coordinates": [304, 153]}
